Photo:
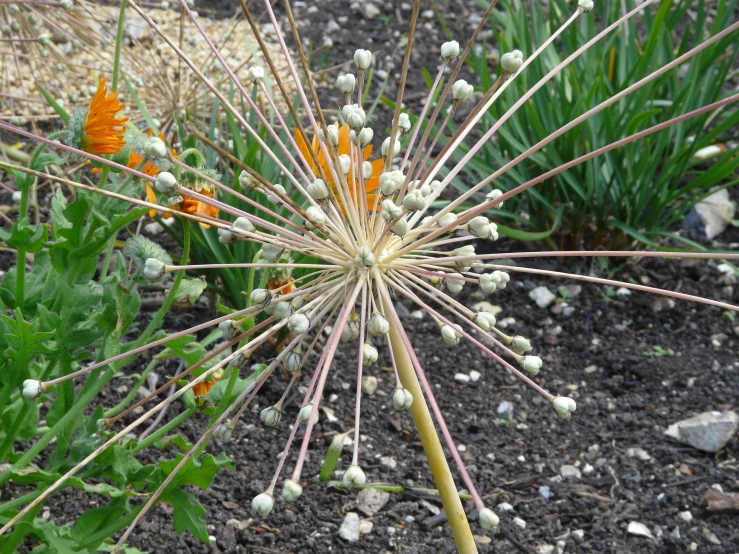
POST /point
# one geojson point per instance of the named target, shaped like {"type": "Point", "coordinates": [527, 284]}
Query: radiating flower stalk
{"type": "Point", "coordinates": [369, 250]}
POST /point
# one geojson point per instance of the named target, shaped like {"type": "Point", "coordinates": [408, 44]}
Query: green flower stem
{"type": "Point", "coordinates": [198, 154]}
{"type": "Point", "coordinates": [132, 394]}
{"type": "Point", "coordinates": [159, 433]}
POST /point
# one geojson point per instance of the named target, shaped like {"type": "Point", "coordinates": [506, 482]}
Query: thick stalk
{"type": "Point", "coordinates": [431, 445]}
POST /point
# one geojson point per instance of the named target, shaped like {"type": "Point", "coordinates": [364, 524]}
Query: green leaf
{"type": "Point", "coordinates": [332, 457]}
{"type": "Point", "coordinates": [30, 237]}
{"type": "Point", "coordinates": [215, 395]}
{"type": "Point", "coordinates": [190, 290]}
{"type": "Point", "coordinates": [187, 514]}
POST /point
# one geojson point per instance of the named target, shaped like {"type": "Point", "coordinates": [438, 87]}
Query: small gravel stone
{"type": "Point", "coordinates": [570, 472]}
{"type": "Point", "coordinates": [686, 516]}
{"type": "Point", "coordinates": [639, 454]}
{"type": "Point", "coordinates": [545, 549]}
{"type": "Point", "coordinates": [504, 507]}
{"type": "Point", "coordinates": [542, 296]}
{"type": "Point", "coordinates": [462, 378]}
{"type": "Point", "coordinates": [505, 410]}
{"type": "Point", "coordinates": [370, 501]}
{"type": "Point", "coordinates": [387, 461]}
{"type": "Point", "coordinates": [639, 529]}
{"type": "Point", "coordinates": [518, 521]}
{"type": "Point", "coordinates": [349, 530]}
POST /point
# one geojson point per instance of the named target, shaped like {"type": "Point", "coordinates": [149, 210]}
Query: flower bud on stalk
{"type": "Point", "coordinates": [564, 406]}
{"type": "Point", "coordinates": [317, 190]}
{"type": "Point", "coordinates": [153, 269]}
{"type": "Point", "coordinates": [350, 331]}
{"type": "Point", "coordinates": [271, 416]}
{"type": "Point", "coordinates": [404, 123]}
{"type": "Point", "coordinates": [414, 201]}
{"type": "Point", "coordinates": [391, 181]}
{"type": "Point", "coordinates": [465, 252]}
{"type": "Point", "coordinates": [449, 50]}
{"type": "Point", "coordinates": [155, 148]}
{"type": "Point", "coordinates": [291, 491]}
{"type": "Point", "coordinates": [272, 252]}
{"type": "Point", "coordinates": [283, 310]}
{"type": "Point", "coordinates": [400, 227]}
{"type": "Point", "coordinates": [298, 324]}
{"type": "Point", "coordinates": [248, 181]}
{"type": "Point", "coordinates": [511, 61]}
{"type": "Point", "coordinates": [479, 227]}
{"type": "Point", "coordinates": [222, 433]}
{"type": "Point", "coordinates": [488, 518]}
{"type": "Point", "coordinates": [273, 196]}
{"type": "Point", "coordinates": [378, 324]}
{"type": "Point", "coordinates": [346, 83]}
{"type": "Point", "coordinates": [354, 477]}
{"type": "Point", "coordinates": [262, 504]}
{"type": "Point", "coordinates": [402, 399]}
{"type": "Point", "coordinates": [454, 286]}
{"type": "Point", "coordinates": [369, 353]}
{"type": "Point", "coordinates": [293, 362]}
{"type": "Point", "coordinates": [385, 148]}
{"type": "Point", "coordinates": [447, 219]}
{"type": "Point", "coordinates": [260, 297]}
{"type": "Point", "coordinates": [345, 164]}
{"type": "Point", "coordinates": [256, 74]}
{"type": "Point", "coordinates": [362, 59]}
{"type": "Point", "coordinates": [365, 257]}
{"type": "Point", "coordinates": [389, 210]}
{"type": "Point", "coordinates": [520, 345]}
{"type": "Point", "coordinates": [450, 335]}
{"type": "Point", "coordinates": [484, 320]}
{"type": "Point", "coordinates": [166, 182]}
{"type": "Point", "coordinates": [316, 214]}
{"type": "Point", "coordinates": [365, 136]}
{"type": "Point", "coordinates": [461, 91]}
{"type": "Point", "coordinates": [354, 116]}
{"type": "Point", "coordinates": [32, 388]}
{"type": "Point", "coordinates": [229, 329]}
{"type": "Point", "coordinates": [531, 365]}
{"type": "Point", "coordinates": [304, 414]}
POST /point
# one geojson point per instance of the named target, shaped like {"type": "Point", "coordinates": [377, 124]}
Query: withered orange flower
{"type": "Point", "coordinates": [203, 387]}
{"type": "Point", "coordinates": [103, 133]}
{"type": "Point", "coordinates": [188, 205]}
{"type": "Point", "coordinates": [274, 285]}
{"type": "Point", "coordinates": [370, 185]}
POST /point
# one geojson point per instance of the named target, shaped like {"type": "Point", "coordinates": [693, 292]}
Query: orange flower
{"type": "Point", "coordinates": [273, 285]}
{"type": "Point", "coordinates": [370, 185]}
{"type": "Point", "coordinates": [102, 132]}
{"type": "Point", "coordinates": [203, 387]}
{"type": "Point", "coordinates": [188, 205]}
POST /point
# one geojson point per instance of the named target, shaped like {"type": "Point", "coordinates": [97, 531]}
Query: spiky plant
{"type": "Point", "coordinates": [373, 238]}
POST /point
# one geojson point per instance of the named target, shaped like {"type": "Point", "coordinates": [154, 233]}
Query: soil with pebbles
{"type": "Point", "coordinates": [596, 353]}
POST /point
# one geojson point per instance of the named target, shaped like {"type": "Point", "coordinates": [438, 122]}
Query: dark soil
{"type": "Point", "coordinates": [626, 402]}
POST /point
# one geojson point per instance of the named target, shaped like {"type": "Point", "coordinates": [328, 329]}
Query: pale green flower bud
{"type": "Point", "coordinates": [479, 227]}
{"type": "Point", "coordinates": [461, 91]}
{"type": "Point", "coordinates": [404, 123]}
{"type": "Point", "coordinates": [354, 477]}
{"type": "Point", "coordinates": [450, 335]}
{"type": "Point", "coordinates": [291, 491]}
{"type": "Point", "coordinates": [272, 252]}
{"type": "Point", "coordinates": [586, 5]}
{"type": "Point", "coordinates": [317, 190]}
{"type": "Point", "coordinates": [400, 227]}
{"type": "Point", "coordinates": [256, 74]}
{"type": "Point", "coordinates": [511, 61]}
{"type": "Point", "coordinates": [564, 406]}
{"type": "Point", "coordinates": [304, 414]}
{"type": "Point", "coordinates": [488, 518]}
{"type": "Point", "coordinates": [531, 365]}
{"type": "Point", "coordinates": [449, 50]}
{"type": "Point", "coordinates": [369, 353]}
{"type": "Point", "coordinates": [298, 323]}
{"type": "Point", "coordinates": [271, 416]}
{"type": "Point", "coordinates": [262, 504]}
{"type": "Point", "coordinates": [520, 345]}
{"type": "Point", "coordinates": [365, 136]}
{"type": "Point", "coordinates": [484, 320]}
{"type": "Point", "coordinates": [32, 388]}
{"type": "Point", "coordinates": [155, 148]}
{"type": "Point", "coordinates": [385, 148]}
{"type": "Point", "coordinates": [354, 116]}
{"type": "Point", "coordinates": [350, 331]}
{"type": "Point", "coordinates": [273, 197]}
{"type": "Point", "coordinates": [153, 269]}
{"type": "Point", "coordinates": [414, 201]}
{"type": "Point", "coordinates": [346, 83]}
{"type": "Point", "coordinates": [402, 399]}
{"type": "Point", "coordinates": [454, 286]}
{"type": "Point", "coordinates": [165, 182]}
{"type": "Point", "coordinates": [260, 297]}
{"type": "Point", "coordinates": [316, 214]}
{"type": "Point", "coordinates": [363, 59]}
{"type": "Point", "coordinates": [365, 257]}
{"type": "Point", "coordinates": [222, 433]}
{"type": "Point", "coordinates": [378, 324]}
{"type": "Point", "coordinates": [293, 362]}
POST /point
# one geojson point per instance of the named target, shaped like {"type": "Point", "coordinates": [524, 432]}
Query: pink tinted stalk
{"type": "Point", "coordinates": [331, 350]}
